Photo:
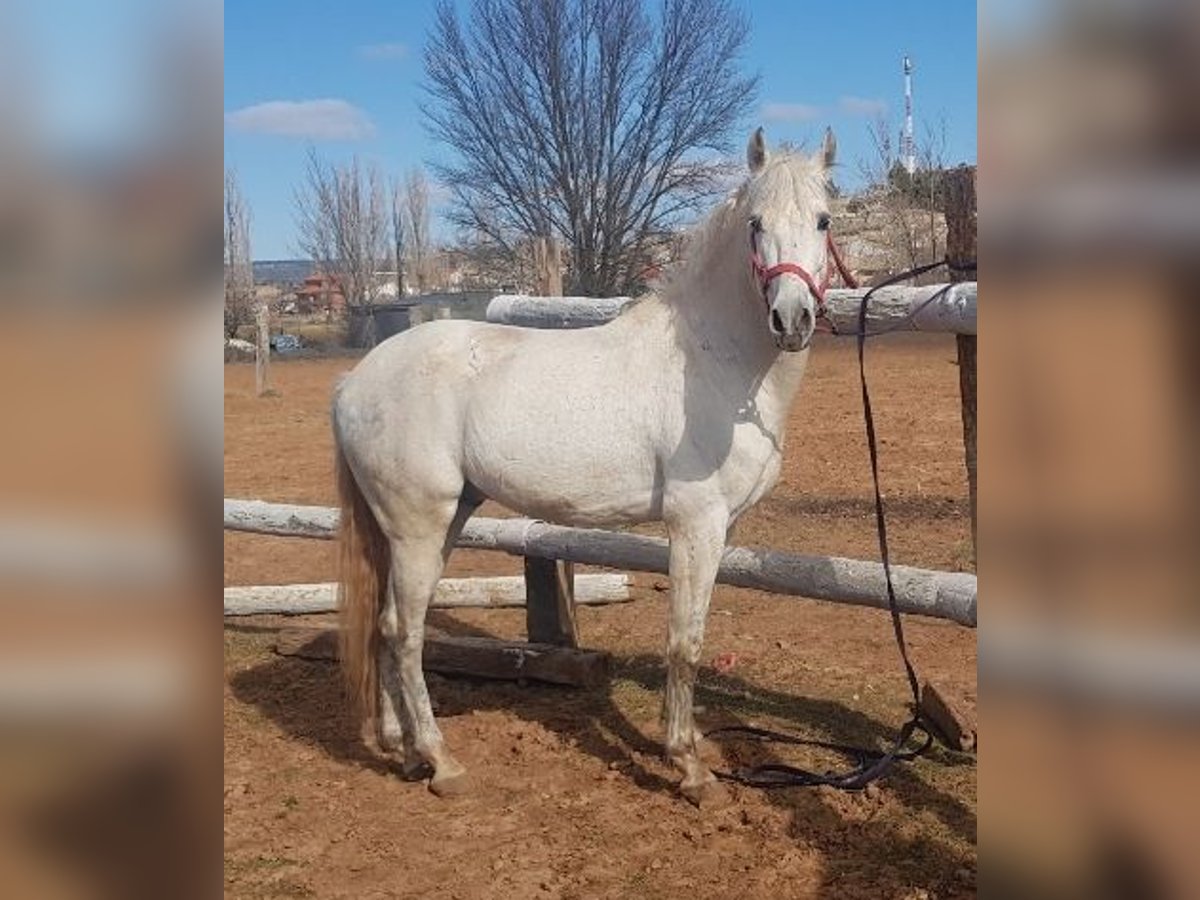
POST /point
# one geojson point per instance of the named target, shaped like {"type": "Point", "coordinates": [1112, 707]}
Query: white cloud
{"type": "Point", "coordinates": [318, 120]}
{"type": "Point", "coordinates": [384, 52]}
{"type": "Point", "coordinates": [862, 106]}
{"type": "Point", "coordinates": [790, 112]}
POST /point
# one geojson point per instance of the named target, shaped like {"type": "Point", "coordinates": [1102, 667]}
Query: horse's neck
{"type": "Point", "coordinates": [721, 322]}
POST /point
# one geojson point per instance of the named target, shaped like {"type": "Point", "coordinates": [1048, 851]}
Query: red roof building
{"type": "Point", "coordinates": [320, 293]}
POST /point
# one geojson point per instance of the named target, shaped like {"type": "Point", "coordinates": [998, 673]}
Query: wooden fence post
{"type": "Point", "coordinates": [262, 359]}
{"type": "Point", "coordinates": [549, 583]}
{"type": "Point", "coordinates": [550, 602]}
{"type": "Point", "coordinates": [547, 263]}
{"type": "Point", "coordinates": [961, 243]}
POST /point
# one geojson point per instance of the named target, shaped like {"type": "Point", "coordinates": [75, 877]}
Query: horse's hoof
{"type": "Point", "coordinates": [707, 794]}
{"type": "Point", "coordinates": [415, 770]}
{"type": "Point", "coordinates": [448, 786]}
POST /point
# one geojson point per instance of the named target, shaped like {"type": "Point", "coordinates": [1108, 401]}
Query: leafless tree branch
{"type": "Point", "coordinates": [342, 224]}
{"type": "Point", "coordinates": [905, 199]}
{"type": "Point", "coordinates": [416, 199]}
{"type": "Point", "coordinates": [398, 214]}
{"type": "Point", "coordinates": [589, 120]}
{"type": "Point", "coordinates": [239, 269]}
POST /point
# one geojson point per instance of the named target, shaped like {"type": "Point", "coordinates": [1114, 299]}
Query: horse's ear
{"type": "Point", "coordinates": [756, 151]}
{"type": "Point", "coordinates": [829, 149]}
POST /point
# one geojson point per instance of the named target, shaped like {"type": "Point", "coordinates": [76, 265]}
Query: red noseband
{"type": "Point", "coordinates": [766, 275]}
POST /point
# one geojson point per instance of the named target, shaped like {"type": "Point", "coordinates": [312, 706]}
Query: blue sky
{"type": "Point", "coordinates": [832, 62]}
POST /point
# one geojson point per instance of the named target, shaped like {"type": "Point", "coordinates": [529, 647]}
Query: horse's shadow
{"type": "Point", "coordinates": [307, 701]}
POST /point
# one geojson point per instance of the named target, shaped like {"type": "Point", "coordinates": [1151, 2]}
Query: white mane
{"type": "Point", "coordinates": [788, 178]}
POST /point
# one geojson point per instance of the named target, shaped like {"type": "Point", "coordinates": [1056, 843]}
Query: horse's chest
{"type": "Point", "coordinates": [751, 469]}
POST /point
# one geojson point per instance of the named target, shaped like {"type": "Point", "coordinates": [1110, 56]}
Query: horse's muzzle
{"type": "Point", "coordinates": [792, 324]}
{"type": "Point", "coordinates": [793, 343]}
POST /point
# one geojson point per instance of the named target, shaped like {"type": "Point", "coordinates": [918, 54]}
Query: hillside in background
{"type": "Point", "coordinates": [282, 271]}
{"type": "Point", "coordinates": [880, 233]}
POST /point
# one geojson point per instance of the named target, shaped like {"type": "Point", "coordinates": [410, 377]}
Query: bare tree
{"type": "Point", "coordinates": [399, 221]}
{"type": "Point", "coordinates": [932, 155]}
{"type": "Point", "coordinates": [877, 167]}
{"type": "Point", "coordinates": [239, 269]}
{"type": "Point", "coordinates": [905, 199]}
{"type": "Point", "coordinates": [417, 205]}
{"type": "Point", "coordinates": [342, 223]}
{"type": "Point", "coordinates": [591, 120]}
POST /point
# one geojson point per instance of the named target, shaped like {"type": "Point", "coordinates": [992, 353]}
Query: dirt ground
{"type": "Point", "coordinates": [572, 797]}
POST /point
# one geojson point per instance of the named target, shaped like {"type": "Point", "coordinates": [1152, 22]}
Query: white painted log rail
{"type": "Point", "coordinates": [503, 591]}
{"type": "Point", "coordinates": [934, 307]}
{"type": "Point", "coordinates": [931, 307]}
{"type": "Point", "coordinates": [945, 595]}
{"type": "Point", "coordinates": [554, 312]}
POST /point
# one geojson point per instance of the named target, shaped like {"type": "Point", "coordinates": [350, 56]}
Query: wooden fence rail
{"type": "Point", "coordinates": [496, 592]}
{"type": "Point", "coordinates": [554, 312]}
{"type": "Point", "coordinates": [944, 595]}
{"type": "Point", "coordinates": [934, 307]}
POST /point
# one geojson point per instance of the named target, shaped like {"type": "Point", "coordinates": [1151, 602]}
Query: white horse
{"type": "Point", "coordinates": [675, 412]}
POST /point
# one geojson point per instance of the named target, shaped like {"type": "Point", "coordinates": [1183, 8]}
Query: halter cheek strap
{"type": "Point", "coordinates": [766, 274]}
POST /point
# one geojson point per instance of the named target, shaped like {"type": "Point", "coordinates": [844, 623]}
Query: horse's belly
{"type": "Point", "coordinates": [570, 429]}
{"type": "Point", "coordinates": [581, 494]}
{"type": "Point", "coordinates": [572, 476]}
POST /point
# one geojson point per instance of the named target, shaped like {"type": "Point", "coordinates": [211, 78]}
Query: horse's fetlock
{"type": "Point", "coordinates": [390, 737]}
{"type": "Point", "coordinates": [428, 747]}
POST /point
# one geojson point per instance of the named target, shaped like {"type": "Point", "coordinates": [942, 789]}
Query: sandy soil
{"type": "Point", "coordinates": [573, 799]}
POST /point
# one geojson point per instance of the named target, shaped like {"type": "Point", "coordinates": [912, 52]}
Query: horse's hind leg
{"type": "Point", "coordinates": [417, 562]}
{"type": "Point", "coordinates": [390, 732]}
{"type": "Point", "coordinates": [696, 547]}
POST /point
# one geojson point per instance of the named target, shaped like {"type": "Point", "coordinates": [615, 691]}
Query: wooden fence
{"type": "Point", "coordinates": [944, 595]}
{"type": "Point", "coordinates": [934, 307]}
{"type": "Point", "coordinates": [549, 551]}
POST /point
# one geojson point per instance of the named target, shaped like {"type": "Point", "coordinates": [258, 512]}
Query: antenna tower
{"type": "Point", "coordinates": [908, 146]}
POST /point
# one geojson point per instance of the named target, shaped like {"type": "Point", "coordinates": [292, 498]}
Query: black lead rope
{"type": "Point", "coordinates": [869, 765]}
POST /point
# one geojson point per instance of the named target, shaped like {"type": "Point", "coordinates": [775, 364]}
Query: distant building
{"type": "Point", "coordinates": [319, 293]}
{"type": "Point", "coordinates": [368, 325]}
{"type": "Point", "coordinates": [386, 288]}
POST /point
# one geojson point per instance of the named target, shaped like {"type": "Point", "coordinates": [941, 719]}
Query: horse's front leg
{"type": "Point", "coordinates": [696, 547]}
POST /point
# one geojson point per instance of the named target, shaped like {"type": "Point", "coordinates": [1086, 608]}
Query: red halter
{"type": "Point", "coordinates": [766, 275]}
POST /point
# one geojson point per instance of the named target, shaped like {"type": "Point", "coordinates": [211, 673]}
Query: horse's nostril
{"type": "Point", "coordinates": [776, 322]}
{"type": "Point", "coordinates": [806, 321]}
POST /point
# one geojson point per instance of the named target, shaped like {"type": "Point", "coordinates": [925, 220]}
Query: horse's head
{"type": "Point", "coordinates": [786, 202]}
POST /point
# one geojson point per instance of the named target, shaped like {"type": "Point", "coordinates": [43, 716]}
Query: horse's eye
{"type": "Point", "coordinates": [823, 222]}
{"type": "Point", "coordinates": [756, 223]}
